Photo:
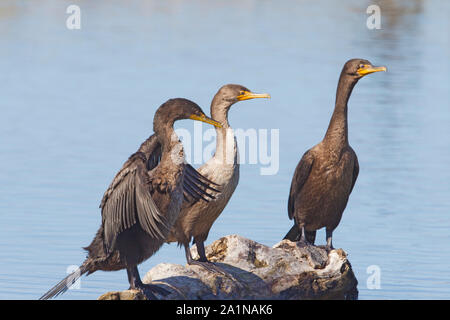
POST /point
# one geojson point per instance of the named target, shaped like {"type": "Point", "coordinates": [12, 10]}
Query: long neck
{"type": "Point", "coordinates": [169, 140]}
{"type": "Point", "coordinates": [337, 133]}
{"type": "Point", "coordinates": [225, 143]}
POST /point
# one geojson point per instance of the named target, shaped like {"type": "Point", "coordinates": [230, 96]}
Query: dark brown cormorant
{"type": "Point", "coordinates": [326, 174]}
{"type": "Point", "coordinates": [143, 201]}
{"type": "Point", "coordinates": [196, 219]}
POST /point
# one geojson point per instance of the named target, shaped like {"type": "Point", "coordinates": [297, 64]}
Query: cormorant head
{"type": "Point", "coordinates": [232, 93]}
{"type": "Point", "coordinates": [178, 109]}
{"type": "Point", "coordinates": [358, 68]}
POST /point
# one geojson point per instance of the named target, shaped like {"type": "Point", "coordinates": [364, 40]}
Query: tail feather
{"type": "Point", "coordinates": [293, 234]}
{"type": "Point", "coordinates": [64, 284]}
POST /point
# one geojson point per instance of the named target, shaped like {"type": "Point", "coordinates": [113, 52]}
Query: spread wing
{"type": "Point", "coordinates": [152, 150]}
{"type": "Point", "coordinates": [195, 185]}
{"type": "Point", "coordinates": [300, 176]}
{"type": "Point", "coordinates": [128, 201]}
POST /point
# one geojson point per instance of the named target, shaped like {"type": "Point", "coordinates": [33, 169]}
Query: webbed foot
{"type": "Point", "coordinates": [149, 290]}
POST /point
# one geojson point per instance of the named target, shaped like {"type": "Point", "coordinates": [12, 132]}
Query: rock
{"type": "Point", "coordinates": [255, 271]}
{"type": "Point", "coordinates": [123, 295]}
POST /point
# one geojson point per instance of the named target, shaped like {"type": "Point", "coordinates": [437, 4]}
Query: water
{"type": "Point", "coordinates": [76, 104]}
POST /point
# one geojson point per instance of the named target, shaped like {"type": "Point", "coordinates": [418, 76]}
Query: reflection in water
{"type": "Point", "coordinates": [70, 99]}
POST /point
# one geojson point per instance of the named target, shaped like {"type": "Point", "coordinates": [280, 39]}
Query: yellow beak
{"type": "Point", "coordinates": [206, 119]}
{"type": "Point", "coordinates": [246, 95]}
{"type": "Point", "coordinates": [369, 69]}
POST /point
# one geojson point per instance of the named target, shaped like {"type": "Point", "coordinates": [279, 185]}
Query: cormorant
{"type": "Point", "coordinates": [143, 201]}
{"type": "Point", "coordinates": [196, 218]}
{"type": "Point", "coordinates": [326, 174]}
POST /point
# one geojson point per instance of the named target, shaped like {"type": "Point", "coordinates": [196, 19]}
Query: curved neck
{"type": "Point", "coordinates": [219, 112]}
{"type": "Point", "coordinates": [225, 142]}
{"type": "Point", "coordinates": [167, 138]}
{"type": "Point", "coordinates": [337, 132]}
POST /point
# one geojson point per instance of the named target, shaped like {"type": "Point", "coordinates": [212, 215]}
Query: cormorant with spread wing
{"type": "Point", "coordinates": [143, 201]}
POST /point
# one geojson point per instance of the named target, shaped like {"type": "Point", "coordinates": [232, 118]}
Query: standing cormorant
{"type": "Point", "coordinates": [326, 174]}
{"type": "Point", "coordinates": [196, 219]}
{"type": "Point", "coordinates": [142, 202]}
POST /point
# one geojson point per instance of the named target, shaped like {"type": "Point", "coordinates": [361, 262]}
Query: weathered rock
{"type": "Point", "coordinates": [123, 295]}
{"type": "Point", "coordinates": [285, 271]}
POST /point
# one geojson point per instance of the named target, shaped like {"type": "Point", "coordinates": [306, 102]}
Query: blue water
{"type": "Point", "coordinates": [76, 103]}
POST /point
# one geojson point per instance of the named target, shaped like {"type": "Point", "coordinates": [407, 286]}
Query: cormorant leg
{"type": "Point", "coordinates": [187, 252]}
{"type": "Point", "coordinates": [329, 235]}
{"type": "Point", "coordinates": [303, 239]}
{"type": "Point", "coordinates": [204, 259]}
{"type": "Point", "coordinates": [205, 264]}
{"type": "Point", "coordinates": [210, 266]}
{"type": "Point", "coordinates": [147, 289]}
{"type": "Point", "coordinates": [310, 236]}
{"type": "Point", "coordinates": [201, 251]}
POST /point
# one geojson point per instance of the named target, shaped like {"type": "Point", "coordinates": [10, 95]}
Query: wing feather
{"type": "Point", "coordinates": [195, 186]}
{"type": "Point", "coordinates": [128, 201]}
{"type": "Point", "coordinates": [298, 180]}
{"type": "Point", "coordinates": [355, 172]}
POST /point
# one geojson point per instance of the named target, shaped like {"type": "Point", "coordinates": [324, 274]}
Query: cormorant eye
{"type": "Point", "coordinates": [361, 66]}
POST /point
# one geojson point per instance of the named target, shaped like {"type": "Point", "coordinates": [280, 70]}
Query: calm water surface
{"type": "Point", "coordinates": [75, 104]}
